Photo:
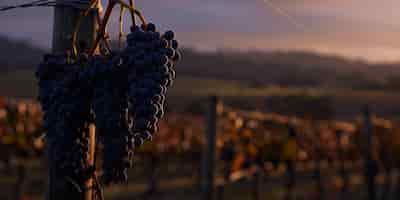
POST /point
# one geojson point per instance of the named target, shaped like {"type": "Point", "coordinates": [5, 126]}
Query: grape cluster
{"type": "Point", "coordinates": [110, 109]}
{"type": "Point", "coordinates": [66, 105]}
{"type": "Point", "coordinates": [150, 58]}
{"type": "Point", "coordinates": [123, 93]}
{"type": "Point", "coordinates": [130, 96]}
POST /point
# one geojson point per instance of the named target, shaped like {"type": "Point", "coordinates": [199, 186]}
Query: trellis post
{"type": "Point", "coordinates": [209, 150]}
{"type": "Point", "coordinates": [65, 21]}
{"type": "Point", "coordinates": [370, 163]}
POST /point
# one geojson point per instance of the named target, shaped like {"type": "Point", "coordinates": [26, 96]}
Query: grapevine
{"type": "Point", "coordinates": [123, 92]}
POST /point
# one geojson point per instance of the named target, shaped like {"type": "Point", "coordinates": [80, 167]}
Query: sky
{"type": "Point", "coordinates": [359, 29]}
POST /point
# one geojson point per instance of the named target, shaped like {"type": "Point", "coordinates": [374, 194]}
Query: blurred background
{"type": "Point", "coordinates": [293, 79]}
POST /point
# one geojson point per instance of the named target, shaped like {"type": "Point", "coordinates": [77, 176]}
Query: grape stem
{"type": "Point", "coordinates": [102, 30]}
{"type": "Point", "coordinates": [83, 14]}
{"type": "Point", "coordinates": [106, 18]}
{"type": "Point", "coordinates": [121, 23]}
{"type": "Point", "coordinates": [132, 4]}
{"type": "Point", "coordinates": [98, 187]}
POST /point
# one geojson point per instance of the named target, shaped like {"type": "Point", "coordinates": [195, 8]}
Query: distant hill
{"type": "Point", "coordinates": [254, 69]}
{"type": "Point", "coordinates": [15, 55]}
{"type": "Point", "coordinates": [284, 82]}
{"type": "Point", "coordinates": [286, 68]}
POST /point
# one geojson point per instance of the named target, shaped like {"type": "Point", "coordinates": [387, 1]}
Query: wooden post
{"type": "Point", "coordinates": [209, 150]}
{"type": "Point", "coordinates": [290, 165]}
{"type": "Point", "coordinates": [317, 176]}
{"type": "Point", "coordinates": [89, 194]}
{"type": "Point", "coordinates": [370, 163]}
{"type": "Point", "coordinates": [256, 179]}
{"type": "Point", "coordinates": [220, 191]}
{"type": "Point", "coordinates": [21, 176]}
{"type": "Point", "coordinates": [65, 20]}
{"type": "Point", "coordinates": [342, 170]}
{"type": "Point", "coordinates": [317, 171]}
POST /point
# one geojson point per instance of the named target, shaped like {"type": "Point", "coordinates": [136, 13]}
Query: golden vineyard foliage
{"type": "Point", "coordinates": [240, 140]}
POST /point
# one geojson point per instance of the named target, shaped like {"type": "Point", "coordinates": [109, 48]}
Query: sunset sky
{"type": "Point", "coordinates": [368, 29]}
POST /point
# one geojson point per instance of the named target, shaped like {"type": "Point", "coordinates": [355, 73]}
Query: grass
{"type": "Point", "coordinates": [19, 83]}
{"type": "Point", "coordinates": [189, 91]}
{"type": "Point", "coordinates": [22, 83]}
{"type": "Point", "coordinates": [180, 183]}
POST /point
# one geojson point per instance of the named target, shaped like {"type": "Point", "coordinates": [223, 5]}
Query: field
{"type": "Point", "coordinates": [173, 160]}
{"type": "Point", "coordinates": [188, 93]}
{"type": "Point", "coordinates": [185, 184]}
{"type": "Point", "coordinates": [176, 172]}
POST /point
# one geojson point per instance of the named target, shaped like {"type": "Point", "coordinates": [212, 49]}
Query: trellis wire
{"type": "Point", "coordinates": [79, 4]}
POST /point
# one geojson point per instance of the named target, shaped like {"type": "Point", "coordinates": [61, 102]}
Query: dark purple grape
{"type": "Point", "coordinates": [159, 98]}
{"type": "Point", "coordinates": [162, 43]}
{"type": "Point", "coordinates": [169, 35]}
{"type": "Point", "coordinates": [176, 57]}
{"type": "Point", "coordinates": [160, 59]}
{"type": "Point", "coordinates": [174, 44]}
{"type": "Point", "coordinates": [169, 52]}
{"type": "Point", "coordinates": [151, 27]}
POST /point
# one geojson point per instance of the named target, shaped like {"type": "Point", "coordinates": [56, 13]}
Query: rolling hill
{"type": "Point", "coordinates": [254, 69]}
{"type": "Point", "coordinates": [16, 55]}
{"type": "Point", "coordinates": [286, 82]}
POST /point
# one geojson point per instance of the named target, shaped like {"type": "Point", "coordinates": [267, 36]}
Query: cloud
{"type": "Point", "coordinates": [347, 27]}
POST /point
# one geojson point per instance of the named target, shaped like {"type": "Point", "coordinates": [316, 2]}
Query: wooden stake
{"type": "Point", "coordinates": [92, 151]}
{"type": "Point", "coordinates": [370, 163]}
{"type": "Point", "coordinates": [209, 150]}
{"type": "Point", "coordinates": [65, 20]}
